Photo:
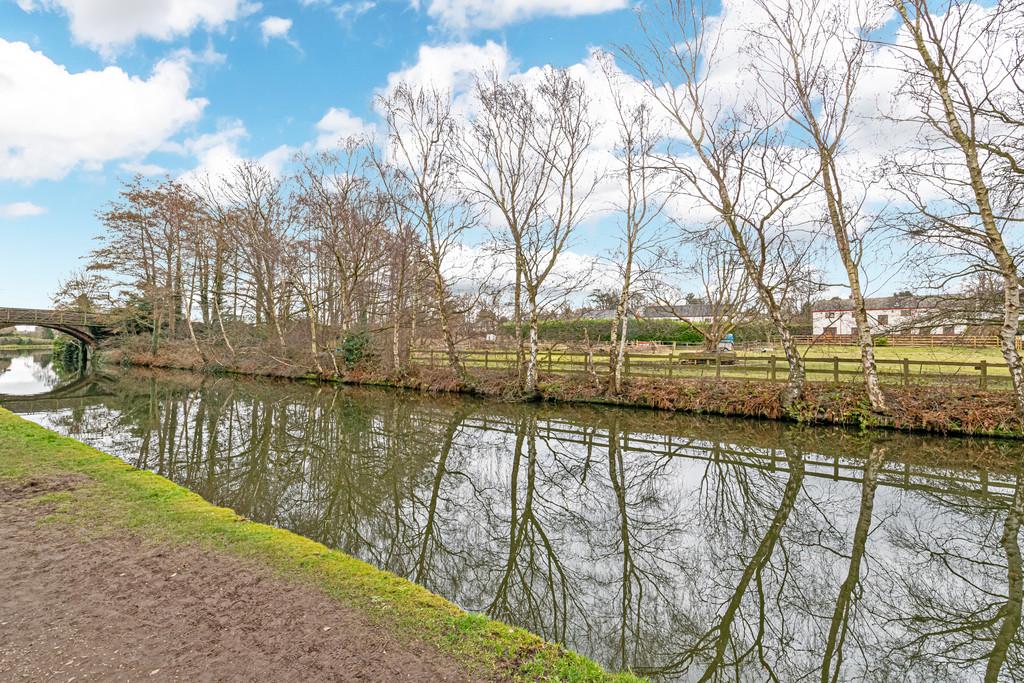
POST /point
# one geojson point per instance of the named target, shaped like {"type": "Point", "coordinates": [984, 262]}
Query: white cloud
{"type": "Point", "coordinates": [338, 124]}
{"type": "Point", "coordinates": [452, 67]}
{"type": "Point", "coordinates": [218, 154]}
{"type": "Point", "coordinates": [489, 14]}
{"type": "Point", "coordinates": [349, 12]}
{"type": "Point", "coordinates": [275, 27]}
{"type": "Point", "coordinates": [107, 24]}
{"type": "Point", "coordinates": [21, 210]}
{"type": "Point", "coordinates": [55, 120]}
{"type": "Point", "coordinates": [276, 159]}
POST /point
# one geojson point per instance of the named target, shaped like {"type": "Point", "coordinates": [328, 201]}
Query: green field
{"type": "Point", "coordinates": [981, 367]}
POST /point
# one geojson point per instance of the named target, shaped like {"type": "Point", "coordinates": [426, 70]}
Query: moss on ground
{"type": "Point", "coordinates": [120, 498]}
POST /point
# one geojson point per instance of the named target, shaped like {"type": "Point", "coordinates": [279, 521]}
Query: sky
{"type": "Point", "coordinates": [94, 91]}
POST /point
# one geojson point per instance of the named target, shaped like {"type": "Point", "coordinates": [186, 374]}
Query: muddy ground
{"type": "Point", "coordinates": [75, 608]}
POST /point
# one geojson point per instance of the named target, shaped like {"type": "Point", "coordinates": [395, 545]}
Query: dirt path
{"type": "Point", "coordinates": [76, 609]}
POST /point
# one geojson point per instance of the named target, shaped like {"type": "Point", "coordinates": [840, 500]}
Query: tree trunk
{"type": "Point", "coordinates": [994, 239]}
{"type": "Point", "coordinates": [617, 347]}
{"type": "Point", "coordinates": [517, 322]}
{"type": "Point", "coordinates": [454, 361]}
{"type": "Point", "coordinates": [530, 383]}
{"type": "Point", "coordinates": [860, 313]}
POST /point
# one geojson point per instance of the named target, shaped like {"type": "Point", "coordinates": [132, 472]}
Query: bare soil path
{"type": "Point", "coordinates": [76, 608]}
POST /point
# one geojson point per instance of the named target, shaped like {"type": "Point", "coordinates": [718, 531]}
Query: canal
{"type": "Point", "coordinates": [681, 547]}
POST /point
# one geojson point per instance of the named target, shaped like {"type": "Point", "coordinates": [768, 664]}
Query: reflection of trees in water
{"type": "Point", "coordinates": [956, 588]}
{"type": "Point", "coordinates": [850, 591]}
{"type": "Point", "coordinates": [705, 569]}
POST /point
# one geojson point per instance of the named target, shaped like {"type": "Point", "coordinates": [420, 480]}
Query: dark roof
{"type": "Point", "coordinates": [872, 303]}
{"type": "Point", "coordinates": [682, 311]}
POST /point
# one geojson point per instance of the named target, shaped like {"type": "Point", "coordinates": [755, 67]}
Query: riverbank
{"type": "Point", "coordinates": [944, 410]}
{"type": "Point", "coordinates": [119, 572]}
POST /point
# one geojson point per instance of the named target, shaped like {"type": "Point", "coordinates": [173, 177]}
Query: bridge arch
{"type": "Point", "coordinates": [87, 328]}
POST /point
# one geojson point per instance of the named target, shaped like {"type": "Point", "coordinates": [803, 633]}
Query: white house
{"type": "Point", "coordinates": [899, 314]}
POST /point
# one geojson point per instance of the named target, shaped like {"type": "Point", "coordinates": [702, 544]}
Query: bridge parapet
{"type": "Point", "coordinates": [85, 327]}
{"type": "Point", "coordinates": [38, 316]}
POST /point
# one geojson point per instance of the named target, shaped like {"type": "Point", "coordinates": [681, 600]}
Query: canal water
{"type": "Point", "coordinates": [683, 548]}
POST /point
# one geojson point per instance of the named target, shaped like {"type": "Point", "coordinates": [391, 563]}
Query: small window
{"type": "Point", "coordinates": [883, 320]}
{"type": "Point", "coordinates": [949, 330]}
{"type": "Point", "coordinates": [830, 331]}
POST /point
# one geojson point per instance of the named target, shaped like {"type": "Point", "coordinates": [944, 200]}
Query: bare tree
{"type": "Point", "coordinates": [527, 159]}
{"type": "Point", "coordinates": [811, 55]}
{"type": "Point", "coordinates": [736, 163]}
{"type": "Point", "coordinates": [507, 174]}
{"type": "Point", "coordinates": [422, 178]}
{"type": "Point", "coordinates": [962, 75]}
{"type": "Point", "coordinates": [645, 192]}
{"type": "Point", "coordinates": [725, 297]}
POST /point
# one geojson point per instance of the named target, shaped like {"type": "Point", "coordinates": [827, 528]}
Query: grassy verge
{"type": "Point", "coordinates": [123, 498]}
{"type": "Point", "coordinates": [26, 347]}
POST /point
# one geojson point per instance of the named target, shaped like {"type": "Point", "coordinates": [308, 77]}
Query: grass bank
{"type": "Point", "coordinates": [946, 410]}
{"type": "Point", "coordinates": [121, 498]}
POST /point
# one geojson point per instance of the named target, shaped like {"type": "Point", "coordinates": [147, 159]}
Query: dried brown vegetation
{"type": "Point", "coordinates": [941, 410]}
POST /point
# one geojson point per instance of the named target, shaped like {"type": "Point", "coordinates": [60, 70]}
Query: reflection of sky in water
{"type": "Point", "coordinates": [645, 544]}
{"type": "Point", "coordinates": [28, 374]}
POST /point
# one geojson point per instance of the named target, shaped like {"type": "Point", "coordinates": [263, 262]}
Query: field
{"type": "Point", "coordinates": [905, 365]}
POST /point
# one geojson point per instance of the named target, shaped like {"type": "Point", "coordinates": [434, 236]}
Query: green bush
{"type": "Point", "coordinates": [67, 355]}
{"type": "Point", "coordinates": [356, 347]}
{"type": "Point", "coordinates": [881, 341]}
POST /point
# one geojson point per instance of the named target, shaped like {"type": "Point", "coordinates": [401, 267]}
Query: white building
{"type": "Point", "coordinates": [900, 314]}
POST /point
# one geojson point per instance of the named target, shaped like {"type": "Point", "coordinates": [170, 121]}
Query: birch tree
{"type": "Point", "coordinates": [733, 162]}
{"type": "Point", "coordinates": [811, 55]}
{"type": "Point", "coordinates": [962, 75]}
{"type": "Point", "coordinates": [644, 190]}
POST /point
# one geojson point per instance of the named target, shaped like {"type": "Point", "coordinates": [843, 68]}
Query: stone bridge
{"type": "Point", "coordinates": [87, 328]}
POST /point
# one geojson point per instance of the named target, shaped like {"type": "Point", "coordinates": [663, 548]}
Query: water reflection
{"type": "Point", "coordinates": [685, 548]}
{"type": "Point", "coordinates": [23, 373]}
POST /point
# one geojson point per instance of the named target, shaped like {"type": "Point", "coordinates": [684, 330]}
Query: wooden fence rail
{"type": "Point", "coordinates": [982, 374]}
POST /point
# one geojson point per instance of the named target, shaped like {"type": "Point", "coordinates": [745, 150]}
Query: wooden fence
{"type": "Point", "coordinates": [982, 374]}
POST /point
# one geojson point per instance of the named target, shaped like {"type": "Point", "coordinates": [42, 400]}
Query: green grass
{"type": "Point", "coordinates": [123, 498]}
{"type": "Point", "coordinates": [755, 365]}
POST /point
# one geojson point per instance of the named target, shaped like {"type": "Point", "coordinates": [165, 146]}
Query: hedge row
{"type": "Point", "coordinates": [639, 330]}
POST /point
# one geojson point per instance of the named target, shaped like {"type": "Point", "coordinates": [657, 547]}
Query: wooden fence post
{"type": "Point", "coordinates": [983, 379]}
{"type": "Point", "coordinates": [625, 363]}
{"type": "Point", "coordinates": [835, 369]}
{"type": "Point", "coordinates": [487, 359]}
{"type": "Point", "coordinates": [771, 366]}
{"type": "Point", "coordinates": [718, 366]}
{"type": "Point", "coordinates": [906, 372]}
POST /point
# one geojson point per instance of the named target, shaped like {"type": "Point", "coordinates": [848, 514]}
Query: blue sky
{"type": "Point", "coordinates": [156, 88]}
